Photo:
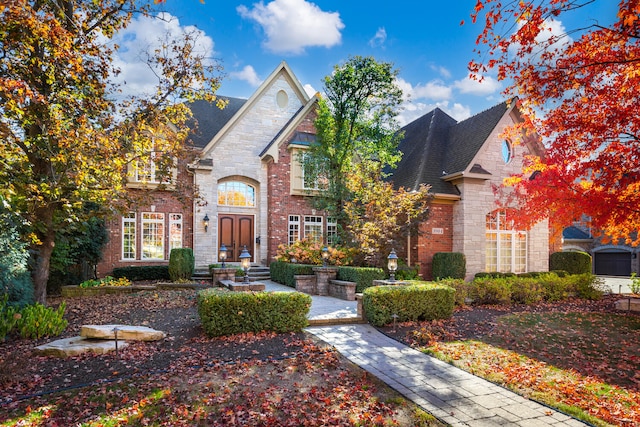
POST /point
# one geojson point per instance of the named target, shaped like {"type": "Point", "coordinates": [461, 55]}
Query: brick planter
{"type": "Point", "coordinates": [306, 283]}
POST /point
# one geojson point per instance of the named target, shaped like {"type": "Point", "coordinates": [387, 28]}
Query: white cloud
{"type": "Point", "coordinates": [443, 71]}
{"type": "Point", "coordinates": [487, 86]}
{"type": "Point", "coordinates": [413, 110]}
{"type": "Point", "coordinates": [247, 74]}
{"type": "Point", "coordinates": [433, 90]}
{"type": "Point", "coordinates": [379, 39]}
{"type": "Point", "coordinates": [145, 34]}
{"type": "Point", "coordinates": [290, 26]}
{"type": "Point", "coordinates": [309, 89]}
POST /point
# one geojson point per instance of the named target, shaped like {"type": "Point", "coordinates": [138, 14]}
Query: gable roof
{"type": "Point", "coordinates": [436, 145]}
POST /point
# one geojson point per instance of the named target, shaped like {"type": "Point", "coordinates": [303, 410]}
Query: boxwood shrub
{"type": "Point", "coordinates": [149, 272]}
{"type": "Point", "coordinates": [285, 272]}
{"type": "Point", "coordinates": [416, 301]}
{"type": "Point", "coordinates": [571, 262]}
{"type": "Point", "coordinates": [362, 276]}
{"type": "Point", "coordinates": [449, 265]}
{"type": "Point", "coordinates": [224, 312]}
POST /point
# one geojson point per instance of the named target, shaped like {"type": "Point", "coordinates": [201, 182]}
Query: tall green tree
{"type": "Point", "coordinates": [67, 133]}
{"type": "Point", "coordinates": [356, 124]}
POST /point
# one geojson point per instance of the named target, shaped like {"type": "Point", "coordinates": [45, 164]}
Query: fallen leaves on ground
{"type": "Point", "coordinates": [572, 354]}
{"type": "Point", "coordinates": [187, 379]}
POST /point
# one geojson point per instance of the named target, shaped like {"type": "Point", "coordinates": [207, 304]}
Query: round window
{"type": "Point", "coordinates": [507, 151]}
{"type": "Point", "coordinates": [282, 99]}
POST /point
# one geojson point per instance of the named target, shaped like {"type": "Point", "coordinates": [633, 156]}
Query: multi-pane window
{"type": "Point", "coordinates": [294, 229]}
{"type": "Point", "coordinates": [506, 248]}
{"type": "Point", "coordinates": [152, 235]}
{"type": "Point", "coordinates": [313, 228]}
{"type": "Point", "coordinates": [313, 176]}
{"type": "Point", "coordinates": [234, 193]}
{"type": "Point", "coordinates": [332, 231]}
{"type": "Point", "coordinates": [150, 169]}
{"type": "Point", "coordinates": [129, 236]}
{"type": "Point", "coordinates": [175, 231]}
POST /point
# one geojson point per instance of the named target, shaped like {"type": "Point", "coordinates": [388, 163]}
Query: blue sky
{"type": "Point", "coordinates": [422, 38]}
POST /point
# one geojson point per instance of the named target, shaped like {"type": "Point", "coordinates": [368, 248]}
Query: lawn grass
{"type": "Point", "coordinates": [585, 364]}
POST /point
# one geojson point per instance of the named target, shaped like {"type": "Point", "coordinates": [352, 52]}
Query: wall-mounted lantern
{"type": "Point", "coordinates": [223, 254]}
{"type": "Point", "coordinates": [205, 221]}
{"type": "Point", "coordinates": [392, 265]}
{"type": "Point", "coordinates": [245, 263]}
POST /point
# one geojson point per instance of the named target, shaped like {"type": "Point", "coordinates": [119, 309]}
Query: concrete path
{"type": "Point", "coordinates": [448, 393]}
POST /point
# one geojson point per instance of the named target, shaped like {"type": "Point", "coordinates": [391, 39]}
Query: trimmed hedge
{"type": "Point", "coordinates": [571, 262]}
{"type": "Point", "coordinates": [226, 313]}
{"type": "Point", "coordinates": [285, 272]}
{"type": "Point", "coordinates": [362, 276]}
{"type": "Point", "coordinates": [416, 301]}
{"type": "Point", "coordinates": [182, 264]}
{"type": "Point", "coordinates": [451, 265]}
{"type": "Point", "coordinates": [529, 290]}
{"type": "Point", "coordinates": [149, 272]}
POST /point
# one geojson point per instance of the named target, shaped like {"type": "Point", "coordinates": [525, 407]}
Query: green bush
{"type": "Point", "coordinates": [362, 276]}
{"type": "Point", "coordinates": [490, 290]}
{"type": "Point", "coordinates": [571, 262]}
{"type": "Point", "coordinates": [32, 321]}
{"type": "Point", "coordinates": [416, 301]}
{"type": "Point", "coordinates": [587, 286]}
{"type": "Point", "coordinates": [285, 272]}
{"type": "Point", "coordinates": [553, 287]}
{"type": "Point", "coordinates": [148, 272]}
{"type": "Point", "coordinates": [526, 290]}
{"type": "Point", "coordinates": [461, 287]}
{"type": "Point", "coordinates": [449, 265]}
{"type": "Point", "coordinates": [493, 275]}
{"type": "Point", "coordinates": [181, 264]}
{"type": "Point", "coordinates": [227, 313]}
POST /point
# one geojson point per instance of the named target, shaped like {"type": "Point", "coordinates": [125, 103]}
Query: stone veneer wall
{"type": "Point", "coordinates": [236, 156]}
{"type": "Point", "coordinates": [478, 199]}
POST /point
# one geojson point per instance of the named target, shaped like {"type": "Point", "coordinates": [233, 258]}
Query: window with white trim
{"type": "Point", "coordinates": [129, 236]}
{"type": "Point", "coordinates": [313, 228]}
{"type": "Point", "coordinates": [332, 231]}
{"type": "Point", "coordinates": [506, 248]}
{"type": "Point", "coordinates": [175, 231]}
{"type": "Point", "coordinates": [235, 193]}
{"type": "Point", "coordinates": [148, 170]}
{"type": "Point", "coordinates": [294, 229]}
{"type": "Point", "coordinates": [152, 235]}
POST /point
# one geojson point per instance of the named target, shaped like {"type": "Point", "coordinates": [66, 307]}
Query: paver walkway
{"type": "Point", "coordinates": [450, 394]}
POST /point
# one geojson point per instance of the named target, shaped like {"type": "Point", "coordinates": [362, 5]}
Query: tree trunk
{"type": "Point", "coordinates": [40, 273]}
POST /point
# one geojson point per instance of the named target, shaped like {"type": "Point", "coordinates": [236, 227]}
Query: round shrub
{"type": "Point", "coordinates": [571, 262]}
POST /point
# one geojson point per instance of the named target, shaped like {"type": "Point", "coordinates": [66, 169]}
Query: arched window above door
{"type": "Point", "coordinates": [236, 193]}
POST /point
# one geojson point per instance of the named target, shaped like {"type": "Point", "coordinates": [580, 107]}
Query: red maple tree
{"type": "Point", "coordinates": [580, 91]}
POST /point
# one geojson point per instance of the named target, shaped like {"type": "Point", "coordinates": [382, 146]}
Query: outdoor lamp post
{"type": "Point", "coordinates": [205, 221]}
{"type": "Point", "coordinates": [325, 256]}
{"type": "Point", "coordinates": [245, 261]}
{"type": "Point", "coordinates": [392, 265]}
{"type": "Point", "coordinates": [223, 254]}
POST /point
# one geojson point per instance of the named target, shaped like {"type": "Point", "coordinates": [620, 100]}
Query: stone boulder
{"type": "Point", "coordinates": [125, 332]}
{"type": "Point", "coordinates": [77, 345]}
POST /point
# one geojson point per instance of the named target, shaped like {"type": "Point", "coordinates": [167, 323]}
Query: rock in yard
{"type": "Point", "coordinates": [125, 332]}
{"type": "Point", "coordinates": [77, 345]}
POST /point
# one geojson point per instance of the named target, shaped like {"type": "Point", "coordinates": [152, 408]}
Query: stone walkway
{"type": "Point", "coordinates": [448, 393]}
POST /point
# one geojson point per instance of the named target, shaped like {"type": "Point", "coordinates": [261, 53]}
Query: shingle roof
{"type": "Point", "coordinates": [211, 119]}
{"type": "Point", "coordinates": [435, 145]}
